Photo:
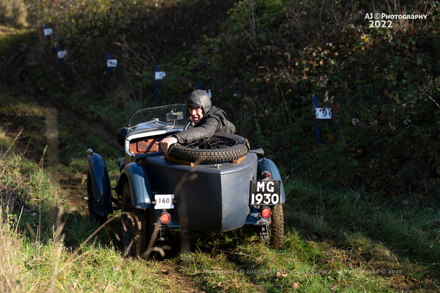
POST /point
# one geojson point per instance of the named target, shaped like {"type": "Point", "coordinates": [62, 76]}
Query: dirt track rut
{"type": "Point", "coordinates": [14, 71]}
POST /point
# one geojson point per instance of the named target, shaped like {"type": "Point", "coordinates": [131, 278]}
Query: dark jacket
{"type": "Point", "coordinates": [215, 120]}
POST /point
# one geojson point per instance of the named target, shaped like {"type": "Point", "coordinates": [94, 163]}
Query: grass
{"type": "Point", "coordinates": [11, 36]}
{"type": "Point", "coordinates": [325, 252]}
{"type": "Point", "coordinates": [39, 250]}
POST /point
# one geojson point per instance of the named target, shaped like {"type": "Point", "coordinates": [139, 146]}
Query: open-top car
{"type": "Point", "coordinates": [212, 185]}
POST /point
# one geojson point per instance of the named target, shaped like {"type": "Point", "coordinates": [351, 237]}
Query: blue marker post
{"type": "Point", "coordinates": [58, 50]}
{"type": "Point", "coordinates": [207, 91]}
{"type": "Point", "coordinates": [317, 125]}
{"type": "Point", "coordinates": [44, 27]}
{"type": "Point", "coordinates": [108, 69]}
{"type": "Point", "coordinates": [155, 81]}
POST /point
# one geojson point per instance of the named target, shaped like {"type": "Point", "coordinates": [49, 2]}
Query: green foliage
{"type": "Point", "coordinates": [10, 37]}
{"type": "Point", "coordinates": [264, 61]}
{"type": "Point", "coordinates": [381, 84]}
{"type": "Point", "coordinates": [13, 13]}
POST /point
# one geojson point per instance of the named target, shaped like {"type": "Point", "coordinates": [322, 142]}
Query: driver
{"type": "Point", "coordinates": [205, 118]}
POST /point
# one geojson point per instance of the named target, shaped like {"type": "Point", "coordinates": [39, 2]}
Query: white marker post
{"type": "Point", "coordinates": [62, 54]}
{"type": "Point", "coordinates": [47, 31]}
{"type": "Point", "coordinates": [323, 113]}
{"type": "Point", "coordinates": [157, 76]}
{"type": "Point", "coordinates": [112, 63]}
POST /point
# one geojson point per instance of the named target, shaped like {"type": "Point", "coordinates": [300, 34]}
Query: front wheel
{"type": "Point", "coordinates": [135, 226]}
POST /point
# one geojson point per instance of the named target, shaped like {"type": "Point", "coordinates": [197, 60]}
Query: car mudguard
{"type": "Point", "coordinates": [102, 203]}
{"type": "Point", "coordinates": [269, 166]}
{"type": "Point", "coordinates": [140, 187]}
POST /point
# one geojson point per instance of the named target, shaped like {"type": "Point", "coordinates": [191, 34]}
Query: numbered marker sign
{"type": "Point", "coordinates": [323, 113]}
{"type": "Point", "coordinates": [47, 31]}
{"type": "Point", "coordinates": [160, 75]}
{"type": "Point", "coordinates": [61, 54]}
{"type": "Point", "coordinates": [164, 201]}
{"type": "Point", "coordinates": [112, 62]}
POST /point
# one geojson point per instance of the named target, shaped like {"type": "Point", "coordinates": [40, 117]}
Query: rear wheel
{"type": "Point", "coordinates": [135, 226]}
{"type": "Point", "coordinates": [277, 226]}
{"type": "Point", "coordinates": [273, 233]}
{"type": "Point", "coordinates": [92, 213]}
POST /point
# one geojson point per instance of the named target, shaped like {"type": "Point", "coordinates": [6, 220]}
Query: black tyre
{"type": "Point", "coordinates": [275, 230]}
{"type": "Point", "coordinates": [92, 213]}
{"type": "Point", "coordinates": [277, 226]}
{"type": "Point", "coordinates": [135, 226]}
{"type": "Point", "coordinates": [221, 147]}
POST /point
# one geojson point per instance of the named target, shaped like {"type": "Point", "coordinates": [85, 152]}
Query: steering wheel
{"type": "Point", "coordinates": [186, 126]}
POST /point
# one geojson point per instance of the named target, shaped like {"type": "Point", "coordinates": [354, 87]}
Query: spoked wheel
{"type": "Point", "coordinates": [274, 232]}
{"type": "Point", "coordinates": [212, 143]}
{"type": "Point", "coordinates": [135, 226]}
{"type": "Point", "coordinates": [220, 147]}
{"type": "Point", "coordinates": [92, 213]}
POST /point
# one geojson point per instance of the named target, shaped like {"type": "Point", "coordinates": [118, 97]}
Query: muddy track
{"type": "Point", "coordinates": [15, 73]}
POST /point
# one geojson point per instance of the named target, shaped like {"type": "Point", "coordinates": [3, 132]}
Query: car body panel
{"type": "Point", "coordinates": [268, 165]}
{"type": "Point", "coordinates": [100, 184]}
{"type": "Point", "coordinates": [254, 218]}
{"type": "Point", "coordinates": [209, 197]}
{"type": "Point", "coordinates": [140, 187]}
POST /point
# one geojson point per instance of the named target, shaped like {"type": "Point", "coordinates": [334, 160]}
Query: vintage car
{"type": "Point", "coordinates": [212, 185]}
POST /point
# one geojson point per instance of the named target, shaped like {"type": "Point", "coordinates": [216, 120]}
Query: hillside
{"type": "Point", "coordinates": [362, 204]}
{"type": "Point", "coordinates": [264, 62]}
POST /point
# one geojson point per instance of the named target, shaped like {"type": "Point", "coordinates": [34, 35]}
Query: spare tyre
{"type": "Point", "coordinates": [221, 147]}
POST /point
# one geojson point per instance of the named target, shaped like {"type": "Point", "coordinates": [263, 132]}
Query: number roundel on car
{"type": "Point", "coordinates": [221, 147]}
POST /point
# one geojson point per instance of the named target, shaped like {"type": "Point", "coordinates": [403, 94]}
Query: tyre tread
{"type": "Point", "coordinates": [278, 226]}
{"type": "Point", "coordinates": [238, 150]}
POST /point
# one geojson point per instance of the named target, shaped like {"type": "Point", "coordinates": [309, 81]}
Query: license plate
{"type": "Point", "coordinates": [164, 201]}
{"type": "Point", "coordinates": [265, 192]}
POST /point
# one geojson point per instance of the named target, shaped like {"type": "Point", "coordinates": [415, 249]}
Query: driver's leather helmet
{"type": "Point", "coordinates": [199, 98]}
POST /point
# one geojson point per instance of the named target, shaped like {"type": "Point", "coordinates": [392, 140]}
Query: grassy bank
{"type": "Point", "coordinates": [346, 245]}
{"type": "Point", "coordinates": [45, 231]}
